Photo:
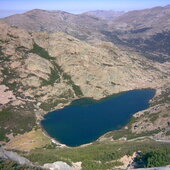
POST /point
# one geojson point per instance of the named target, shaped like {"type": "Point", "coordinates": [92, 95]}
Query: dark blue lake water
{"type": "Point", "coordinates": [86, 119]}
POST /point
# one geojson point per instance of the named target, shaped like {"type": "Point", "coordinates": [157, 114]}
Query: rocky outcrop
{"type": "Point", "coordinates": [14, 157]}
{"type": "Point", "coordinates": [5, 95]}
{"type": "Point", "coordinates": [57, 166]}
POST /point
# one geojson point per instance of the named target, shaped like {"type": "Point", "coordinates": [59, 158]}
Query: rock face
{"type": "Point", "coordinates": [5, 95]}
{"type": "Point", "coordinates": [58, 166]}
{"type": "Point", "coordinates": [15, 157]}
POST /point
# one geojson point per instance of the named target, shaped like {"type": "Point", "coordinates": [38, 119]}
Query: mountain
{"type": "Point", "coordinates": [80, 26]}
{"type": "Point", "coordinates": [146, 31]}
{"type": "Point", "coordinates": [103, 14]}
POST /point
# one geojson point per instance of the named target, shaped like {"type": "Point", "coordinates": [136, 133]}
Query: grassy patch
{"type": "Point", "coordinates": [117, 134]}
{"type": "Point", "coordinates": [13, 121]}
{"type": "Point", "coordinates": [52, 103]}
{"type": "Point", "coordinates": [28, 141]}
{"type": "Point", "coordinates": [98, 154]}
{"type": "Point", "coordinates": [92, 165]}
{"type": "Point", "coordinates": [154, 117]}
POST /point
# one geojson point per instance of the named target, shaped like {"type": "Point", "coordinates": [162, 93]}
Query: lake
{"type": "Point", "coordinates": [85, 119]}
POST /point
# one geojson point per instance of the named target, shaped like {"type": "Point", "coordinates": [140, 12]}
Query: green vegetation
{"type": "Point", "coordinates": [154, 158]}
{"type": "Point", "coordinates": [163, 98]}
{"type": "Point", "coordinates": [40, 51]}
{"type": "Point", "coordinates": [54, 76]}
{"type": "Point", "coordinates": [1, 53]}
{"type": "Point", "coordinates": [21, 48]}
{"type": "Point", "coordinates": [3, 41]}
{"type": "Point", "coordinates": [76, 88]}
{"type": "Point", "coordinates": [117, 134]}
{"type": "Point", "coordinates": [56, 72]}
{"type": "Point", "coordinates": [9, 75]}
{"type": "Point", "coordinates": [98, 155]}
{"type": "Point", "coordinates": [168, 133]}
{"type": "Point", "coordinates": [15, 121]}
{"type": "Point", "coordinates": [50, 146]}
{"type": "Point", "coordinates": [92, 165]}
{"type": "Point", "coordinates": [154, 117]}
{"type": "Point", "coordinates": [52, 103]}
{"type": "Point", "coordinates": [11, 165]}
{"type": "Point", "coordinates": [67, 94]}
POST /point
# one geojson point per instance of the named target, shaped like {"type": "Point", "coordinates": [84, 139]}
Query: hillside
{"type": "Point", "coordinates": [80, 26]}
{"type": "Point", "coordinates": [146, 31]}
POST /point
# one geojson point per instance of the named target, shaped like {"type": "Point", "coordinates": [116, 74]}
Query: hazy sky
{"type": "Point", "coordinates": [77, 6]}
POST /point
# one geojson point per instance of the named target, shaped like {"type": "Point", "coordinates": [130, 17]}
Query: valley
{"type": "Point", "coordinates": [49, 59]}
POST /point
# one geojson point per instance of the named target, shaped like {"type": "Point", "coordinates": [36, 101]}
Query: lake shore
{"type": "Point", "coordinates": [73, 105]}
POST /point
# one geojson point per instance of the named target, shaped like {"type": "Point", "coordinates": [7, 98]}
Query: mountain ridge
{"type": "Point", "coordinates": [104, 14]}
{"type": "Point", "coordinates": [139, 30]}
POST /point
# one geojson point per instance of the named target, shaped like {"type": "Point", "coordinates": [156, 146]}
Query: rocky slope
{"type": "Point", "coordinates": [146, 31]}
{"type": "Point", "coordinates": [80, 26]}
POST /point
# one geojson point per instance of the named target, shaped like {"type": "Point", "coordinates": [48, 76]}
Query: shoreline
{"type": "Point", "coordinates": [55, 141]}
{"type": "Point", "coordinates": [51, 138]}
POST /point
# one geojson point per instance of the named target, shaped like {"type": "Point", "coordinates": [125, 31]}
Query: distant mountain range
{"type": "Point", "coordinates": [80, 26]}
{"type": "Point", "coordinates": [102, 14]}
{"type": "Point", "coordinates": [145, 31]}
